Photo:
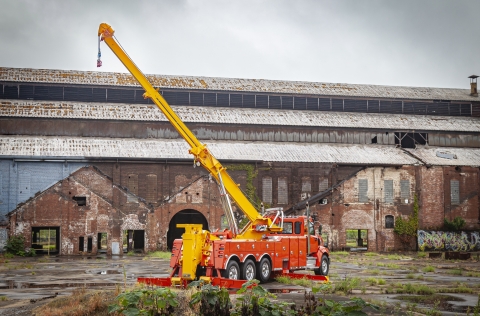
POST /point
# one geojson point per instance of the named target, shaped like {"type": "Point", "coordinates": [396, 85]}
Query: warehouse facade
{"type": "Point", "coordinates": [288, 140]}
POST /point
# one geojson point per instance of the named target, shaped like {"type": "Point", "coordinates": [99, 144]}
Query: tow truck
{"type": "Point", "coordinates": [270, 245]}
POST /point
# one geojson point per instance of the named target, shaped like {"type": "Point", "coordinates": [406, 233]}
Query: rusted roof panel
{"type": "Point", "coordinates": [448, 156]}
{"type": "Point", "coordinates": [87, 148]}
{"type": "Point", "coordinates": [233, 84]}
{"type": "Point", "coordinates": [195, 114]}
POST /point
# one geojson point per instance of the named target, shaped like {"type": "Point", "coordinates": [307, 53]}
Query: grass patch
{"type": "Point", "coordinates": [410, 276]}
{"type": "Point", "coordinates": [461, 288]}
{"type": "Point", "coordinates": [421, 255]}
{"type": "Point", "coordinates": [3, 298]}
{"type": "Point", "coordinates": [375, 272]}
{"type": "Point", "coordinates": [394, 257]}
{"type": "Point", "coordinates": [159, 255]}
{"type": "Point", "coordinates": [455, 271]}
{"type": "Point", "coordinates": [301, 282]}
{"type": "Point", "coordinates": [81, 302]}
{"type": "Point", "coordinates": [392, 266]}
{"type": "Point", "coordinates": [419, 289]}
{"type": "Point", "coordinates": [346, 286]}
{"type": "Point", "coordinates": [428, 269]}
{"type": "Point", "coordinates": [371, 254]}
{"type": "Point", "coordinates": [375, 281]}
{"type": "Point", "coordinates": [339, 253]}
{"type": "Point", "coordinates": [473, 274]}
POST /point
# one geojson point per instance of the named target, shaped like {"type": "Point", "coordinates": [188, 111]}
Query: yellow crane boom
{"type": "Point", "coordinates": [200, 151]}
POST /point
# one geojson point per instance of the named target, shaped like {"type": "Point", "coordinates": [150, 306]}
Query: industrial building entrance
{"type": "Point", "coordinates": [184, 217]}
{"type": "Point", "coordinates": [46, 240]}
{"type": "Point", "coordinates": [133, 240]}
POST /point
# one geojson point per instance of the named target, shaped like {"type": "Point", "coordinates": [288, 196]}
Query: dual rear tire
{"type": "Point", "coordinates": [249, 270]}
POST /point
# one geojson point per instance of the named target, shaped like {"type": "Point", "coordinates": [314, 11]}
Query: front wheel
{"type": "Point", "coordinates": [324, 266]}
{"type": "Point", "coordinates": [232, 271]}
{"type": "Point", "coordinates": [249, 270]}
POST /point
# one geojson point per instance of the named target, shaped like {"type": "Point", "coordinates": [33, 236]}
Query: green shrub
{"type": "Point", "coordinates": [456, 224]}
{"type": "Point", "coordinates": [212, 299]}
{"type": "Point", "coordinates": [158, 301]}
{"type": "Point", "coordinates": [16, 246]}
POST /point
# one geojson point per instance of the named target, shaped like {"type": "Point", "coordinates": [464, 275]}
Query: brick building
{"type": "Point", "coordinates": [288, 140]}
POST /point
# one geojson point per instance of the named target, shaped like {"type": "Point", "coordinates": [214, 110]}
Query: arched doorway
{"type": "Point", "coordinates": [184, 217]}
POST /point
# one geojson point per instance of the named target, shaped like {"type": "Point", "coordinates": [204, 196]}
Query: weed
{"type": "Point", "coordinates": [3, 298]}
{"type": "Point", "coordinates": [130, 253]}
{"type": "Point", "coordinates": [461, 288]}
{"type": "Point", "coordinates": [157, 301]}
{"type": "Point", "coordinates": [422, 289]}
{"type": "Point", "coordinates": [339, 253]}
{"type": "Point", "coordinates": [33, 273]}
{"type": "Point", "coordinates": [159, 254]}
{"type": "Point", "coordinates": [8, 255]}
{"type": "Point", "coordinates": [80, 302]}
{"type": "Point", "coordinates": [371, 254]}
{"type": "Point", "coordinates": [428, 269]}
{"type": "Point", "coordinates": [393, 266]}
{"type": "Point", "coordinates": [421, 254]}
{"type": "Point", "coordinates": [455, 271]}
{"type": "Point", "coordinates": [394, 257]}
{"type": "Point", "coordinates": [301, 282]}
{"type": "Point", "coordinates": [381, 282]}
{"type": "Point", "coordinates": [375, 272]}
{"type": "Point", "coordinates": [347, 285]}
{"type": "Point", "coordinates": [473, 274]}
{"type": "Point", "coordinates": [410, 276]}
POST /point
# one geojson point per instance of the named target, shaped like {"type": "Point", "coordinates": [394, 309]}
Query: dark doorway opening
{"type": "Point", "coordinates": [102, 242]}
{"type": "Point", "coordinates": [133, 240]}
{"type": "Point", "coordinates": [184, 217]}
{"type": "Point", "coordinates": [89, 244]}
{"type": "Point", "coordinates": [46, 240]}
{"type": "Point", "coordinates": [81, 244]}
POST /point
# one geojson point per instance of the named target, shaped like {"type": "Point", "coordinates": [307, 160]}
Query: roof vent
{"type": "Point", "coordinates": [473, 85]}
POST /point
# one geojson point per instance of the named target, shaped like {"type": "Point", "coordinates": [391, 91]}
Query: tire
{"type": "Point", "coordinates": [249, 271]}
{"type": "Point", "coordinates": [232, 271]}
{"type": "Point", "coordinates": [264, 270]}
{"type": "Point", "coordinates": [324, 266]}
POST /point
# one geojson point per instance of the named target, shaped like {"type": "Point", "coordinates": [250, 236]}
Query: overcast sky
{"type": "Point", "coordinates": [434, 43]}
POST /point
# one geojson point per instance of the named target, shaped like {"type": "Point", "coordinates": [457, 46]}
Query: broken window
{"type": "Point", "coordinates": [363, 190]}
{"type": "Point", "coordinates": [267, 190]}
{"type": "Point", "coordinates": [411, 140]}
{"type": "Point", "coordinates": [388, 191]}
{"type": "Point", "coordinates": [81, 200]}
{"type": "Point", "coordinates": [282, 191]}
{"type": "Point", "coordinates": [455, 192]}
{"type": "Point", "coordinates": [389, 221]}
{"type": "Point", "coordinates": [405, 191]}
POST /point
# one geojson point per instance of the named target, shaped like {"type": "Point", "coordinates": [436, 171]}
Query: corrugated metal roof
{"type": "Point", "coordinates": [464, 156]}
{"type": "Point", "coordinates": [194, 114]}
{"type": "Point", "coordinates": [77, 147]}
{"type": "Point", "coordinates": [234, 84]}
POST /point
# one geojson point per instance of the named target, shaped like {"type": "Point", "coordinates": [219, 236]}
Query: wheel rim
{"type": "Point", "coordinates": [250, 272]}
{"type": "Point", "coordinates": [265, 270]}
{"type": "Point", "coordinates": [324, 266]}
{"type": "Point", "coordinates": [233, 273]}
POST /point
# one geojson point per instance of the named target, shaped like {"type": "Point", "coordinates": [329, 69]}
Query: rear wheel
{"type": "Point", "coordinates": [324, 266]}
{"type": "Point", "coordinates": [232, 271]}
{"type": "Point", "coordinates": [249, 271]}
{"type": "Point", "coordinates": [264, 270]}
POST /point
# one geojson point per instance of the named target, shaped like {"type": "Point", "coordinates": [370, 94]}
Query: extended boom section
{"type": "Point", "coordinates": [269, 245]}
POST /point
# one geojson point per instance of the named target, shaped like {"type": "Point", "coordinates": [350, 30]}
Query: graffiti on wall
{"type": "Point", "coordinates": [448, 241]}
